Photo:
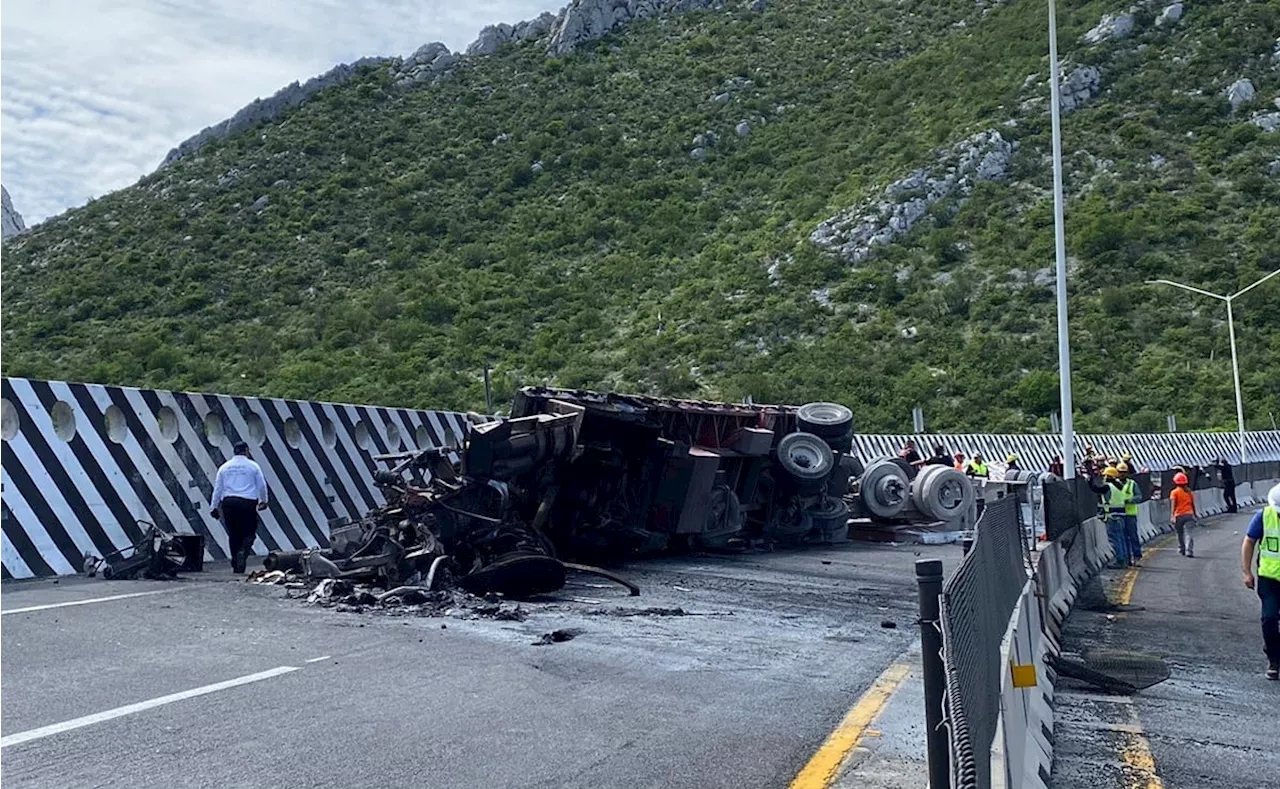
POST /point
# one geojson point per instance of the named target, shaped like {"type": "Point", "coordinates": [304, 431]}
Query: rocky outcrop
{"type": "Point", "coordinates": [588, 20]}
{"type": "Point", "coordinates": [266, 109]}
{"type": "Point", "coordinates": [1267, 121]}
{"type": "Point", "coordinates": [1240, 92]}
{"type": "Point", "coordinates": [579, 22]}
{"type": "Point", "coordinates": [494, 36]}
{"type": "Point", "coordinates": [428, 63]}
{"type": "Point", "coordinates": [1078, 87]}
{"type": "Point", "coordinates": [1170, 15]}
{"type": "Point", "coordinates": [11, 223]}
{"type": "Point", "coordinates": [854, 233]}
{"type": "Point", "coordinates": [1112, 27]}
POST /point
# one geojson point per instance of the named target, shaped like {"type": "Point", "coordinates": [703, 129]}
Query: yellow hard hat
{"type": "Point", "coordinates": [1011, 459]}
{"type": "Point", "coordinates": [1123, 468]}
{"type": "Point", "coordinates": [1110, 472]}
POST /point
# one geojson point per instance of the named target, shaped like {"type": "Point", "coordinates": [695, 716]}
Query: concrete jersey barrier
{"type": "Point", "coordinates": [82, 463]}
{"type": "Point", "coordinates": [1022, 755]}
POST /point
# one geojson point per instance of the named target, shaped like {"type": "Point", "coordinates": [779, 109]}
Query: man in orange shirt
{"type": "Point", "coordinates": [1184, 515]}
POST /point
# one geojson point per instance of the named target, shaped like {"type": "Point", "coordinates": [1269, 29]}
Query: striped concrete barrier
{"type": "Point", "coordinates": [1156, 451]}
{"type": "Point", "coordinates": [83, 463]}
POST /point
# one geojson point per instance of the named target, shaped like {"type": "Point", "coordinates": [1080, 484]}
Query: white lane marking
{"type": "Point", "coordinates": [318, 659]}
{"type": "Point", "coordinates": [31, 608]}
{"type": "Point", "coordinates": [129, 709]}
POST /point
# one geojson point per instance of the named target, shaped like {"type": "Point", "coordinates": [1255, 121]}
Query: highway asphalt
{"type": "Point", "coordinates": [214, 682]}
{"type": "Point", "coordinates": [1213, 723]}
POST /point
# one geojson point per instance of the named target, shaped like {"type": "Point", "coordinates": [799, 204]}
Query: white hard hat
{"type": "Point", "coordinates": [1273, 497]}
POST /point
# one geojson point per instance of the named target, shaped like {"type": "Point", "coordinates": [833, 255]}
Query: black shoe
{"type": "Point", "coordinates": [1273, 672]}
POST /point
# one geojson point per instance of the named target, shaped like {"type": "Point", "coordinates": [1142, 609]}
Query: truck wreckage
{"type": "Point", "coordinates": [577, 478]}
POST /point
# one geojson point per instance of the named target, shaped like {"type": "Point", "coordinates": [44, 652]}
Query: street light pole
{"type": "Point", "coordinates": [1235, 377]}
{"type": "Point", "coordinates": [1231, 330]}
{"type": "Point", "coordinates": [1060, 253]}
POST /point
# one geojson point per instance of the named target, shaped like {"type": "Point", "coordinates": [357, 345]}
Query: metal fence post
{"type": "Point", "coordinates": [929, 580]}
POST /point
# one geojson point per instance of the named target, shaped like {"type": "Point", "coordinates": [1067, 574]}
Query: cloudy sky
{"type": "Point", "coordinates": [94, 93]}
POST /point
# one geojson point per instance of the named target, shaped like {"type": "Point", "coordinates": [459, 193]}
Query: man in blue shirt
{"type": "Point", "coordinates": [1263, 537]}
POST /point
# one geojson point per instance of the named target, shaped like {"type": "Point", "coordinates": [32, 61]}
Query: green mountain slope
{"type": "Point", "coordinates": [547, 214]}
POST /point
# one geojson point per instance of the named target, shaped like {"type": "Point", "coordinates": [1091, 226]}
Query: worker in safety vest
{"type": "Point", "coordinates": [1133, 496]}
{"type": "Point", "coordinates": [1264, 537]}
{"type": "Point", "coordinates": [977, 467]}
{"type": "Point", "coordinates": [1113, 499]}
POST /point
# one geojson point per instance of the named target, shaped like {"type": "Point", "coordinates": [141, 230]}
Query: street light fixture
{"type": "Point", "coordinates": [1231, 329]}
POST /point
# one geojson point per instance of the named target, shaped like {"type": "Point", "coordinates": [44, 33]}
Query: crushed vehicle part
{"type": "Point", "coordinates": [576, 478]}
{"type": "Point", "coordinates": [158, 554]}
{"type": "Point", "coordinates": [557, 637]}
{"type": "Point", "coordinates": [517, 575]}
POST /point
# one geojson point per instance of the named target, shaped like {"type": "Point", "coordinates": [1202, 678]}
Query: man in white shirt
{"type": "Point", "coordinates": [238, 492]}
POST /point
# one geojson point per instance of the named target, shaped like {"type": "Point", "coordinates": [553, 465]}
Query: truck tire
{"type": "Point", "coordinates": [942, 493]}
{"type": "Point", "coordinates": [842, 444]}
{"type": "Point", "coordinates": [885, 488]}
{"type": "Point", "coordinates": [826, 420]}
{"type": "Point", "coordinates": [806, 459]}
{"type": "Point", "coordinates": [830, 519]}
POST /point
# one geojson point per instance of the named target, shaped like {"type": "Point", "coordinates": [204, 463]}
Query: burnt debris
{"type": "Point", "coordinates": [577, 478]}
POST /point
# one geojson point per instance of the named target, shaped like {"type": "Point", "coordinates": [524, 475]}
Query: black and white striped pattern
{"type": "Point", "coordinates": [82, 463]}
{"type": "Point", "coordinates": [1156, 451]}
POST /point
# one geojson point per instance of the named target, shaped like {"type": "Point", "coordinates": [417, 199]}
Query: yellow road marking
{"type": "Point", "coordinates": [1136, 750]}
{"type": "Point", "coordinates": [1137, 756]}
{"type": "Point", "coordinates": [1124, 587]}
{"type": "Point", "coordinates": [822, 767]}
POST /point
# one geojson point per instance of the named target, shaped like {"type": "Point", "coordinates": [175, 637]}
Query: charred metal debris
{"type": "Point", "coordinates": [576, 478]}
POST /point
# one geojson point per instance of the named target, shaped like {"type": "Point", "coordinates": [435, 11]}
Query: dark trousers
{"type": "Point", "coordinates": [1115, 535]}
{"type": "Point", "coordinates": [1131, 539]}
{"type": "Point", "coordinates": [1186, 540]}
{"type": "Point", "coordinates": [1229, 496]}
{"type": "Point", "coordinates": [240, 516]}
{"type": "Point", "coordinates": [1269, 592]}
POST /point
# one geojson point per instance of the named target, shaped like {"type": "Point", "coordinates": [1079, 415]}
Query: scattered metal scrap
{"type": "Point", "coordinates": [577, 476]}
{"type": "Point", "coordinates": [158, 554]}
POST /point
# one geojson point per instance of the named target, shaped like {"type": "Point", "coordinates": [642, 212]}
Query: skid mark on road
{"type": "Point", "coordinates": [825, 764]}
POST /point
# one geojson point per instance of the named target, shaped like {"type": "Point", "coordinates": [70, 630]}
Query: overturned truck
{"type": "Point", "coordinates": [576, 476]}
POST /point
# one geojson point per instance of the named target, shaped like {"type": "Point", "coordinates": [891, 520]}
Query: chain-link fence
{"type": "Point", "coordinates": [977, 601]}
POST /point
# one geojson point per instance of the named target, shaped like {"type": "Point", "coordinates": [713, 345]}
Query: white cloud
{"type": "Point", "coordinates": [94, 93]}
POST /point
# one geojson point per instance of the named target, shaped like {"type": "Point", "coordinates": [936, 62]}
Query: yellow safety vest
{"type": "Point", "coordinates": [1269, 558]}
{"type": "Point", "coordinates": [1130, 489]}
{"type": "Point", "coordinates": [978, 469]}
{"type": "Point", "coordinates": [1114, 499]}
